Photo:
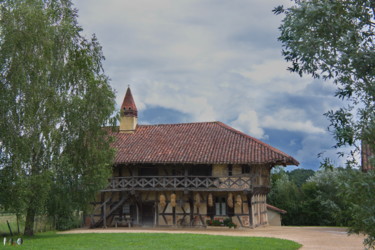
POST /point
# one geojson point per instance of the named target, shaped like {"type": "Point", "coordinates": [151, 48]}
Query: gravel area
{"type": "Point", "coordinates": [317, 238]}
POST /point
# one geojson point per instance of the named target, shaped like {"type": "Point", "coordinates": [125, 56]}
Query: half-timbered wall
{"type": "Point", "coordinates": [190, 208]}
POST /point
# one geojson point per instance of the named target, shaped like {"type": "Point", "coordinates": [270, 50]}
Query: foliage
{"type": "Point", "coordinates": [217, 223]}
{"type": "Point", "coordinates": [358, 189]}
{"type": "Point", "coordinates": [299, 176]}
{"type": "Point", "coordinates": [286, 195]}
{"type": "Point", "coordinates": [322, 190]}
{"type": "Point", "coordinates": [229, 223]}
{"type": "Point", "coordinates": [152, 241]}
{"type": "Point", "coordinates": [331, 197]}
{"type": "Point", "coordinates": [335, 40]}
{"type": "Point", "coordinates": [314, 203]}
{"type": "Point", "coordinates": [54, 99]}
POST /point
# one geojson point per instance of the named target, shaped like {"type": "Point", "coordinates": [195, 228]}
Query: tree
{"type": "Point", "coordinates": [54, 100]}
{"type": "Point", "coordinates": [358, 189]}
{"type": "Point", "coordinates": [334, 40]}
{"type": "Point", "coordinates": [315, 202]}
{"type": "Point", "coordinates": [285, 195]}
{"type": "Point", "coordinates": [300, 176]}
{"type": "Point", "coordinates": [321, 196]}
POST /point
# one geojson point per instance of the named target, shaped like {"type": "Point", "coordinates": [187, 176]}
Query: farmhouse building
{"type": "Point", "coordinates": [185, 175]}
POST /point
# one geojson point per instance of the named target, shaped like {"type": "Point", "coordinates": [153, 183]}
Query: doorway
{"type": "Point", "coordinates": [148, 213]}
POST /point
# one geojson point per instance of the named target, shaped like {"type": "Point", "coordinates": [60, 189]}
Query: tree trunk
{"type": "Point", "coordinates": [29, 224]}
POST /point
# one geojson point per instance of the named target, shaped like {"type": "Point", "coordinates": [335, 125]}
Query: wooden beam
{"type": "Point", "coordinates": [157, 208]}
{"type": "Point", "coordinates": [239, 219]}
{"type": "Point", "coordinates": [174, 215]}
{"type": "Point", "coordinates": [191, 209]}
{"type": "Point", "coordinates": [105, 215]}
{"type": "Point", "coordinates": [137, 210]}
{"type": "Point", "coordinates": [250, 208]}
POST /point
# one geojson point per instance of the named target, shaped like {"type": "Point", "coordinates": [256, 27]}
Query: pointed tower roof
{"type": "Point", "coordinates": [128, 103]}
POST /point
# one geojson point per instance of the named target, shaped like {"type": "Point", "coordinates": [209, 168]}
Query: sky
{"type": "Point", "coordinates": [212, 60]}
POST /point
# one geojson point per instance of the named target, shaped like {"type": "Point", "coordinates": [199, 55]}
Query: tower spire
{"type": "Point", "coordinates": [128, 106]}
{"type": "Point", "coordinates": [128, 113]}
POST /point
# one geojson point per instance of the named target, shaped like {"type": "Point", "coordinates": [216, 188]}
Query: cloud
{"type": "Point", "coordinates": [248, 122]}
{"type": "Point", "coordinates": [315, 145]}
{"type": "Point", "coordinates": [291, 120]}
{"type": "Point", "coordinates": [273, 73]}
{"type": "Point", "coordinates": [208, 60]}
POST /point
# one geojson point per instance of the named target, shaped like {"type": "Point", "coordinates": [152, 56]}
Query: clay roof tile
{"type": "Point", "coordinates": [195, 143]}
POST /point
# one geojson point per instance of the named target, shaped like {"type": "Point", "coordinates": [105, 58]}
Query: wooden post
{"type": "Point", "coordinates": [137, 212]}
{"type": "Point", "coordinates": [174, 216]}
{"type": "Point", "coordinates": [104, 215]}
{"type": "Point", "coordinates": [157, 209]}
{"type": "Point", "coordinates": [265, 207]}
{"type": "Point", "coordinates": [250, 205]}
{"type": "Point", "coordinates": [258, 209]}
{"type": "Point", "coordinates": [186, 173]}
{"type": "Point", "coordinates": [191, 209]}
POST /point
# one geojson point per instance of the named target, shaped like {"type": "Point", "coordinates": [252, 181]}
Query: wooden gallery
{"type": "Point", "coordinates": [185, 175]}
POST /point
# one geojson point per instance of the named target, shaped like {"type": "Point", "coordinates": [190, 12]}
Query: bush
{"type": "Point", "coordinates": [216, 223]}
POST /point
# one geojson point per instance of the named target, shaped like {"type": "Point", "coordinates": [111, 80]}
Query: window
{"type": "Point", "coordinates": [230, 169]}
{"type": "Point", "coordinates": [245, 169]}
{"type": "Point", "coordinates": [220, 206]}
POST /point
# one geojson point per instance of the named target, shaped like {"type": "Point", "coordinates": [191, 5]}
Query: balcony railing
{"type": "Point", "coordinates": [191, 183]}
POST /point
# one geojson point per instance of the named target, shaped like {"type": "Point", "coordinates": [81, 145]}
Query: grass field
{"type": "Point", "coordinates": [42, 224]}
{"type": "Point", "coordinates": [51, 240]}
{"type": "Point", "coordinates": [12, 222]}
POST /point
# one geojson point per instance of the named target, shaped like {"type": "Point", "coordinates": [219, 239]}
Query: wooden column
{"type": "Point", "coordinates": [256, 212]}
{"type": "Point", "coordinates": [174, 215]}
{"type": "Point", "coordinates": [250, 208]}
{"type": "Point", "coordinates": [102, 212]}
{"type": "Point", "coordinates": [191, 203]}
{"type": "Point", "coordinates": [137, 208]}
{"type": "Point", "coordinates": [105, 215]}
{"type": "Point", "coordinates": [157, 208]}
{"type": "Point", "coordinates": [186, 173]}
{"type": "Point", "coordinates": [265, 207]}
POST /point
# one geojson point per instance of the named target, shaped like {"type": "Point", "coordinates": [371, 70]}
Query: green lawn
{"type": "Point", "coordinates": [103, 241]}
{"type": "Point", "coordinates": [4, 226]}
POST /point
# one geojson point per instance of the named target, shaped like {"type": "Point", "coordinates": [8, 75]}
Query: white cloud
{"type": "Point", "coordinates": [248, 123]}
{"type": "Point", "coordinates": [274, 74]}
{"type": "Point", "coordinates": [211, 60]}
{"type": "Point", "coordinates": [291, 120]}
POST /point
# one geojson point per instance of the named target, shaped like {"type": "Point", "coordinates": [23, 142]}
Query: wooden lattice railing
{"type": "Point", "coordinates": [195, 183]}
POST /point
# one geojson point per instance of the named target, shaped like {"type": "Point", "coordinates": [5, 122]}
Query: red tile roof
{"type": "Point", "coordinates": [276, 209]}
{"type": "Point", "coordinates": [194, 143]}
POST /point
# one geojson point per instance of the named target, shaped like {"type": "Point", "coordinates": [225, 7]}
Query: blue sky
{"type": "Point", "coordinates": [212, 60]}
